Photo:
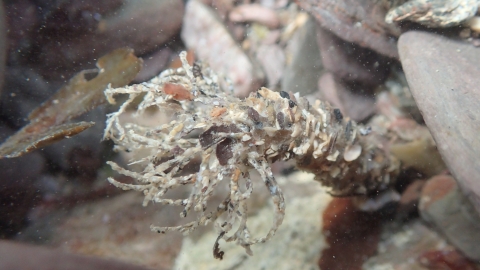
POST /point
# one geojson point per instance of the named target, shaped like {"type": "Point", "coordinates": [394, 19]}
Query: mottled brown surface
{"type": "Point", "coordinates": [444, 77]}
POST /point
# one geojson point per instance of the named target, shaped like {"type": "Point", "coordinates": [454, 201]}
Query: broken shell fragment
{"type": "Point", "coordinates": [352, 152]}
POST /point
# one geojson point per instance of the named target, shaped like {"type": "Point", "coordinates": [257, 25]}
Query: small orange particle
{"type": "Point", "coordinates": [178, 92]}
{"type": "Point", "coordinates": [217, 111]}
{"type": "Point", "coordinates": [177, 63]}
{"type": "Point", "coordinates": [236, 175]}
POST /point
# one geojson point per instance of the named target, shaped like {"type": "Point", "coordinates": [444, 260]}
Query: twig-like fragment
{"type": "Point", "coordinates": [233, 137]}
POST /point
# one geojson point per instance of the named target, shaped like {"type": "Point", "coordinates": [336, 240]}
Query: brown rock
{"type": "Point", "coordinates": [443, 205]}
{"type": "Point", "coordinates": [354, 105]}
{"type": "Point", "coordinates": [350, 62]}
{"type": "Point", "coordinates": [358, 21]}
{"type": "Point", "coordinates": [443, 75]}
{"type": "Point", "coordinates": [18, 193]}
{"type": "Point", "coordinates": [24, 90]}
{"type": "Point", "coordinates": [22, 20]}
{"type": "Point", "coordinates": [72, 17]}
{"type": "Point", "coordinates": [21, 256]}
{"type": "Point", "coordinates": [143, 26]}
{"type": "Point", "coordinates": [154, 64]}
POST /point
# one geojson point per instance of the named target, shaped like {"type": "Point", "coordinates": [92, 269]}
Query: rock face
{"type": "Point", "coordinates": [444, 78]}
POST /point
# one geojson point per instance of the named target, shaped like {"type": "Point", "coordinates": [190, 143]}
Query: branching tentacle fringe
{"type": "Point", "coordinates": [233, 137]}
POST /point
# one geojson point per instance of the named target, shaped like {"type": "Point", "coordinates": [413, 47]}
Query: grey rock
{"type": "Point", "coordinates": [272, 59]}
{"type": "Point", "coordinates": [444, 78]}
{"type": "Point", "coordinates": [304, 70]}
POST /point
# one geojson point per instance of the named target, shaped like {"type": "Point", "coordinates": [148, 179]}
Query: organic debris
{"type": "Point", "coordinates": [47, 122]}
{"type": "Point", "coordinates": [249, 135]}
